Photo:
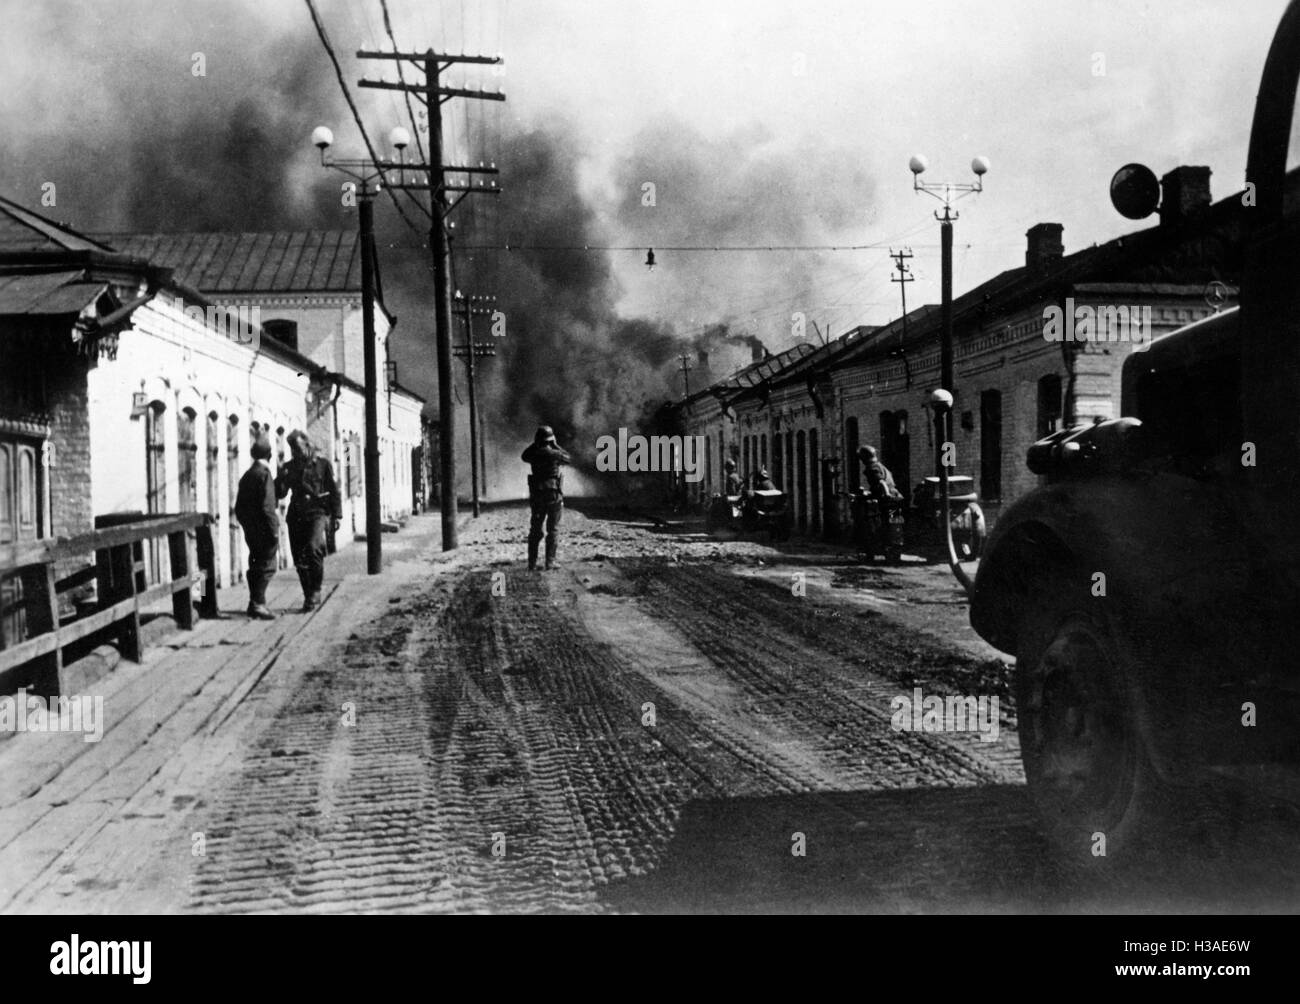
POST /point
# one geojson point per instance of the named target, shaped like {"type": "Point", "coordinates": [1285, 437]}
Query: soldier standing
{"type": "Point", "coordinates": [733, 485]}
{"type": "Point", "coordinates": [545, 493]}
{"type": "Point", "coordinates": [880, 483]}
{"type": "Point", "coordinates": [259, 518]}
{"type": "Point", "coordinates": [314, 504]}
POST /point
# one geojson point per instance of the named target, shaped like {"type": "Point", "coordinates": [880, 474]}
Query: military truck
{"type": "Point", "coordinates": [1149, 588]}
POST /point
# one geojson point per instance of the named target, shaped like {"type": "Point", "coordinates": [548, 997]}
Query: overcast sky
{"type": "Point", "coordinates": [814, 105]}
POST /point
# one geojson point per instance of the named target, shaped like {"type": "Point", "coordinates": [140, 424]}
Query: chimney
{"type": "Point", "coordinates": [1044, 246]}
{"type": "Point", "coordinates": [1185, 195]}
{"type": "Point", "coordinates": [757, 352]}
{"type": "Point", "coordinates": [703, 358]}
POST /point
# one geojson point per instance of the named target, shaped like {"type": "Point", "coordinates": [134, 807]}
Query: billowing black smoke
{"type": "Point", "coordinates": [103, 101]}
{"type": "Point", "coordinates": [568, 359]}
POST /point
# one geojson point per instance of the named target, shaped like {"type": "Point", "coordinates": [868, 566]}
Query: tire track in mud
{"type": "Point", "coordinates": [807, 670]}
{"type": "Point", "coordinates": [499, 723]}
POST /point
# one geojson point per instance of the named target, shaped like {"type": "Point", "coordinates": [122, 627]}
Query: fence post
{"type": "Point", "coordinates": [45, 678]}
{"type": "Point", "coordinates": [125, 564]}
{"type": "Point", "coordinates": [207, 560]}
{"type": "Point", "coordinates": [182, 602]}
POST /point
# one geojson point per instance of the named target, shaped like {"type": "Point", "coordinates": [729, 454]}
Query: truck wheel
{"type": "Point", "coordinates": [1085, 758]}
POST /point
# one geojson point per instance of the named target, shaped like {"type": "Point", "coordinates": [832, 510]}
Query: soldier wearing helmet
{"type": "Point", "coordinates": [880, 483]}
{"type": "Point", "coordinates": [732, 483]}
{"type": "Point", "coordinates": [545, 493]}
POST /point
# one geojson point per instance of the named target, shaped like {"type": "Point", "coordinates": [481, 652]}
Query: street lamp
{"type": "Point", "coordinates": [365, 173]}
{"type": "Point", "coordinates": [947, 193]}
{"type": "Point", "coordinates": [941, 403]}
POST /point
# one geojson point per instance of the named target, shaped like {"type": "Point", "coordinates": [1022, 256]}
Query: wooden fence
{"type": "Point", "coordinates": [32, 636]}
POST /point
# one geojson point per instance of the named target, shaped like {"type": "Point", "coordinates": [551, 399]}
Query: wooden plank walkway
{"type": "Point", "coordinates": [96, 827]}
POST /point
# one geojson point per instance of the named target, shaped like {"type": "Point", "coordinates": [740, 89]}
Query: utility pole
{"type": "Point", "coordinates": [374, 529]}
{"type": "Point", "coordinates": [686, 372]}
{"type": "Point", "coordinates": [468, 351]}
{"type": "Point", "coordinates": [434, 95]}
{"type": "Point", "coordinates": [903, 278]}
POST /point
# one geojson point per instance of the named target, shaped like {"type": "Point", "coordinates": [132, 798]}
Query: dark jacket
{"type": "Point", "coordinates": [880, 483]}
{"type": "Point", "coordinates": [545, 460]}
{"type": "Point", "coordinates": [315, 492]}
{"type": "Point", "coordinates": [255, 507]}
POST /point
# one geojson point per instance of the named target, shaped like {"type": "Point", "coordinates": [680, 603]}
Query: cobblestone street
{"type": "Point", "coordinates": [663, 723]}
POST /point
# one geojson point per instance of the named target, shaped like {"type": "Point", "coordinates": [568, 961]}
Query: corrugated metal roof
{"type": "Point", "coordinates": [315, 261]}
{"type": "Point", "coordinates": [46, 293]}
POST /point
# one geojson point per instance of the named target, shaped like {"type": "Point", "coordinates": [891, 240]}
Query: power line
{"type": "Point", "coordinates": [684, 247]}
{"type": "Point", "coordinates": [410, 109]}
{"type": "Point", "coordinates": [356, 116]}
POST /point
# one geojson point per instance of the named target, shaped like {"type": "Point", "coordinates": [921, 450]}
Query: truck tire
{"type": "Point", "coordinates": [1081, 742]}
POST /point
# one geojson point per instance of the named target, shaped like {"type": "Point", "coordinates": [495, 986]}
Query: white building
{"type": "Point", "coordinates": [124, 389]}
{"type": "Point", "coordinates": [306, 287]}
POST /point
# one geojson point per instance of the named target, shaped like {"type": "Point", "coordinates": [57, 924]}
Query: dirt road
{"type": "Point", "coordinates": [661, 724]}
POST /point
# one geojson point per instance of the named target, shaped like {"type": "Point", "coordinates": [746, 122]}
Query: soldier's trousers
{"type": "Point", "coordinates": [261, 569]}
{"type": "Point", "coordinates": [307, 545]}
{"type": "Point", "coordinates": [547, 508]}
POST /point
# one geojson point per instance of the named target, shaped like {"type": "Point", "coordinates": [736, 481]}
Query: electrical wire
{"type": "Point", "coordinates": [410, 110]}
{"type": "Point", "coordinates": [356, 116]}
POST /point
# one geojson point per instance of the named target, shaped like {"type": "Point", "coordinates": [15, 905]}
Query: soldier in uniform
{"type": "Point", "coordinates": [545, 493]}
{"type": "Point", "coordinates": [880, 483]}
{"type": "Point", "coordinates": [732, 483]}
{"type": "Point", "coordinates": [259, 518]}
{"type": "Point", "coordinates": [314, 504]}
{"type": "Point", "coordinates": [763, 481]}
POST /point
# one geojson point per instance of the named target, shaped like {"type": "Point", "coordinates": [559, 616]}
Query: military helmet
{"type": "Point", "coordinates": [729, 464]}
{"type": "Point", "coordinates": [544, 434]}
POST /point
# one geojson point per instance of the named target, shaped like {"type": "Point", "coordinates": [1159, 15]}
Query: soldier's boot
{"type": "Point", "coordinates": [532, 554]}
{"type": "Point", "coordinates": [551, 544]}
{"type": "Point", "coordinates": [305, 580]}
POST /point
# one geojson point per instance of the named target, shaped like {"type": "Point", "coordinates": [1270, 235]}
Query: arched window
{"type": "Point", "coordinates": [283, 331]}
{"type": "Point", "coordinates": [1049, 405]}
{"type": "Point", "coordinates": [233, 475]}
{"type": "Point", "coordinates": [187, 460]}
{"type": "Point", "coordinates": [800, 479]}
{"type": "Point", "coordinates": [991, 445]}
{"type": "Point", "coordinates": [213, 463]}
{"type": "Point", "coordinates": [155, 458]}
{"type": "Point", "coordinates": [851, 444]}
{"type": "Point", "coordinates": [814, 482]}
{"type": "Point", "coordinates": [789, 459]}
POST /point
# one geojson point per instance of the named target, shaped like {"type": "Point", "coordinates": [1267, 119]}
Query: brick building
{"type": "Point", "coordinates": [1014, 380]}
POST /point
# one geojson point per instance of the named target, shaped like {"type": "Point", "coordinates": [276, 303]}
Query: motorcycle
{"type": "Point", "coordinates": [752, 512]}
{"type": "Point", "coordinates": [879, 526]}
{"type": "Point", "coordinates": [927, 536]}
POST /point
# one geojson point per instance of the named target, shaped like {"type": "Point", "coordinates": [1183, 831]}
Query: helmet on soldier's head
{"type": "Point", "coordinates": [729, 465]}
{"type": "Point", "coordinates": [762, 474]}
{"type": "Point", "coordinates": [544, 434]}
{"type": "Point", "coordinates": [867, 452]}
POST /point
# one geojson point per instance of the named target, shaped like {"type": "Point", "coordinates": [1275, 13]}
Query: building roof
{"type": "Point", "coordinates": [312, 261]}
{"type": "Point", "coordinates": [22, 231]}
{"type": "Point", "coordinates": [47, 294]}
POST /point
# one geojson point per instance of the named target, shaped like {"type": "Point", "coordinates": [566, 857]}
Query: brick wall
{"type": "Point", "coordinates": [70, 499]}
